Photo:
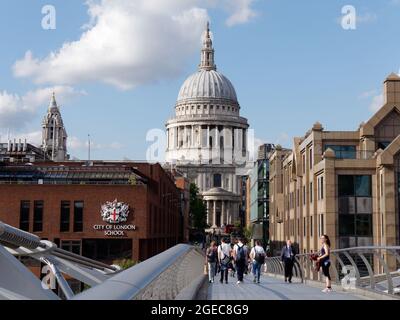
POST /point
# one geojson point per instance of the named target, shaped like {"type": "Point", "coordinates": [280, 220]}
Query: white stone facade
{"type": "Point", "coordinates": [207, 138]}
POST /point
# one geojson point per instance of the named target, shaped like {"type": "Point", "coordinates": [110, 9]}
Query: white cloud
{"type": "Point", "coordinates": [367, 94]}
{"type": "Point", "coordinates": [17, 110]}
{"type": "Point", "coordinates": [241, 12]}
{"type": "Point", "coordinates": [127, 43]}
{"type": "Point", "coordinates": [377, 103]}
{"type": "Point", "coordinates": [34, 137]}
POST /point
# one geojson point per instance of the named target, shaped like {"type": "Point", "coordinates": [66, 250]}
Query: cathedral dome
{"type": "Point", "coordinates": [207, 84]}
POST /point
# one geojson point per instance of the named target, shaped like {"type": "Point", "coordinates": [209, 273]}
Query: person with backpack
{"type": "Point", "coordinates": [211, 260]}
{"type": "Point", "coordinates": [240, 254]}
{"type": "Point", "coordinates": [224, 257]}
{"type": "Point", "coordinates": [257, 255]}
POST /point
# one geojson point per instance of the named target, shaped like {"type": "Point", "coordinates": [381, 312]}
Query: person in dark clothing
{"type": "Point", "coordinates": [325, 262]}
{"type": "Point", "coordinates": [288, 254]}
{"type": "Point", "coordinates": [240, 254]}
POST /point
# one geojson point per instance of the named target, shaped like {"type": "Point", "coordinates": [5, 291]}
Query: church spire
{"type": "Point", "coordinates": [207, 52]}
{"type": "Point", "coordinates": [53, 102]}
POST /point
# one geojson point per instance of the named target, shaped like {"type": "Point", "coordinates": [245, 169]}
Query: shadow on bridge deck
{"type": "Point", "coordinates": [271, 289]}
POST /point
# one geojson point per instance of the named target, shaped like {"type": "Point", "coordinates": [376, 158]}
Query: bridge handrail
{"type": "Point", "coordinates": [152, 277]}
{"type": "Point", "coordinates": [381, 267]}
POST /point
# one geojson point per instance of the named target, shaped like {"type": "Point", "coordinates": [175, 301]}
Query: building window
{"type": "Point", "coordinates": [382, 145]}
{"type": "Point", "coordinates": [37, 216]}
{"type": "Point", "coordinates": [311, 192]}
{"type": "Point", "coordinates": [304, 226]}
{"type": "Point", "coordinates": [321, 224]}
{"type": "Point", "coordinates": [78, 216]}
{"type": "Point", "coordinates": [73, 246]}
{"type": "Point", "coordinates": [343, 152]}
{"type": "Point", "coordinates": [322, 187]}
{"type": "Point", "coordinates": [355, 209]}
{"type": "Point", "coordinates": [311, 226]}
{"type": "Point", "coordinates": [24, 215]}
{"type": "Point", "coordinates": [311, 158]}
{"type": "Point", "coordinates": [64, 216]}
{"type": "Point", "coordinates": [217, 180]}
{"type": "Point", "coordinates": [304, 163]}
{"type": "Point", "coordinates": [304, 195]}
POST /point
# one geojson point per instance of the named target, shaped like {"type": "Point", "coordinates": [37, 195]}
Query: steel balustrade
{"type": "Point", "coordinates": [380, 273]}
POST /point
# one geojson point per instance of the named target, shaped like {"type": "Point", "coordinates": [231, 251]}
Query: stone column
{"type": "Point", "coordinates": [208, 136]}
{"type": "Point", "coordinates": [215, 213]}
{"type": "Point", "coordinates": [216, 137]}
{"type": "Point", "coordinates": [228, 212]}
{"type": "Point", "coordinates": [185, 137]}
{"type": "Point", "coordinates": [208, 212]}
{"type": "Point", "coordinates": [223, 212]}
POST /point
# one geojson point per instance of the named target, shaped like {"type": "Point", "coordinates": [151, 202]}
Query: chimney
{"type": "Point", "coordinates": [391, 89]}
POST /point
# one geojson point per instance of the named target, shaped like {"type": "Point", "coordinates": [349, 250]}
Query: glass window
{"type": "Point", "coordinates": [217, 180]}
{"type": "Point", "coordinates": [382, 145]}
{"type": "Point", "coordinates": [363, 186]}
{"type": "Point", "coordinates": [24, 215]}
{"type": "Point", "coordinates": [64, 216]}
{"type": "Point", "coordinates": [322, 187]}
{"type": "Point", "coordinates": [37, 216]}
{"type": "Point", "coordinates": [345, 185]}
{"type": "Point", "coordinates": [343, 152]}
{"type": "Point", "coordinates": [364, 225]}
{"type": "Point", "coordinates": [73, 246]}
{"type": "Point", "coordinates": [78, 216]}
{"type": "Point", "coordinates": [346, 225]}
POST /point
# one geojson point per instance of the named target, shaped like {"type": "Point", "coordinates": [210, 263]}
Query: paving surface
{"type": "Point", "coordinates": [270, 289]}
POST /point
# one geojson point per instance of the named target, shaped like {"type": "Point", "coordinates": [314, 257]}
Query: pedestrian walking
{"type": "Point", "coordinates": [211, 261]}
{"type": "Point", "coordinates": [288, 257]}
{"type": "Point", "coordinates": [325, 262]}
{"type": "Point", "coordinates": [257, 256]}
{"type": "Point", "coordinates": [240, 255]}
{"type": "Point", "coordinates": [224, 253]}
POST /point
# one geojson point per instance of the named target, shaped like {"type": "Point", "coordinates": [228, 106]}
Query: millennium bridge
{"type": "Point", "coordinates": [177, 274]}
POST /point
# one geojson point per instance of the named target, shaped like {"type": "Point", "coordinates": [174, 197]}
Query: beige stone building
{"type": "Point", "coordinates": [342, 183]}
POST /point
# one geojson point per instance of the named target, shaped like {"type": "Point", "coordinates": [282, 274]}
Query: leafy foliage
{"type": "Point", "coordinates": [198, 210]}
{"type": "Point", "coordinates": [125, 263]}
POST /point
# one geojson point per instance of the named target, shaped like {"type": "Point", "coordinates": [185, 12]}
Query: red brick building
{"type": "Point", "coordinates": [63, 201]}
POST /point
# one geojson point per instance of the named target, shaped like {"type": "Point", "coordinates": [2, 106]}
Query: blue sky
{"type": "Point", "coordinates": [291, 62]}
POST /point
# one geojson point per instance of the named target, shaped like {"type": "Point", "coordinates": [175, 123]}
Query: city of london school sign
{"type": "Point", "coordinates": [114, 213]}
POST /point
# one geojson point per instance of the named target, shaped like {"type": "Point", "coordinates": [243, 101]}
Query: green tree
{"type": "Point", "coordinates": [198, 210]}
{"type": "Point", "coordinates": [124, 263]}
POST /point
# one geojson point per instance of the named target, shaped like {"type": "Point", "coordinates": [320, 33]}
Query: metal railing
{"type": "Point", "coordinates": [164, 276]}
{"type": "Point", "coordinates": [374, 268]}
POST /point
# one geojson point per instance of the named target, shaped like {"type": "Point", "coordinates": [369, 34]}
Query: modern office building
{"type": "Point", "coordinates": [341, 183]}
{"type": "Point", "coordinates": [258, 182]}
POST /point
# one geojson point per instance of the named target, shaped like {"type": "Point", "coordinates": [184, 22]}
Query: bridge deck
{"type": "Point", "coordinates": [271, 289]}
